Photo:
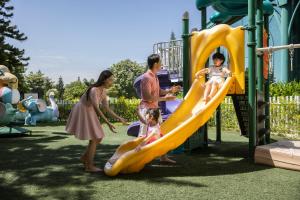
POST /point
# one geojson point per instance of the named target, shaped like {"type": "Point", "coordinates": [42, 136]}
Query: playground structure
{"type": "Point", "coordinates": [192, 113]}
{"type": "Point", "coordinates": [9, 92]}
{"type": "Point", "coordinates": [32, 110]}
{"type": "Point", "coordinates": [250, 98]}
{"type": "Point", "coordinates": [9, 95]}
{"type": "Point", "coordinates": [229, 12]}
{"type": "Point", "coordinates": [28, 110]}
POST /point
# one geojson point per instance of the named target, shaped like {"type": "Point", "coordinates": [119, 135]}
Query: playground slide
{"type": "Point", "coordinates": [188, 117]}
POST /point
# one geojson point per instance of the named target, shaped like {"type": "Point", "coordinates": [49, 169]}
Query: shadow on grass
{"type": "Point", "coordinates": [225, 159]}
{"type": "Point", "coordinates": [38, 160]}
{"type": "Point", "coordinates": [44, 124]}
{"type": "Point", "coordinates": [10, 192]}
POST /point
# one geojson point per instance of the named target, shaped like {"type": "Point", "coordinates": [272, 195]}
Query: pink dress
{"type": "Point", "coordinates": [83, 121]}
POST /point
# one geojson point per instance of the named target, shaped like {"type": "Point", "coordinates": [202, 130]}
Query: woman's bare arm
{"type": "Point", "coordinates": [141, 118]}
{"type": "Point", "coordinates": [111, 112]}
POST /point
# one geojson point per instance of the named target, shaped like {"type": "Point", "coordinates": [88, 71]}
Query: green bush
{"type": "Point", "coordinates": [125, 72]}
{"type": "Point", "coordinates": [179, 95]}
{"type": "Point", "coordinates": [125, 108]}
{"type": "Point", "coordinates": [285, 116]}
{"type": "Point", "coordinates": [285, 89]}
{"type": "Point", "coordinates": [228, 117]}
{"type": "Point", "coordinates": [64, 110]}
{"type": "Point", "coordinates": [74, 90]}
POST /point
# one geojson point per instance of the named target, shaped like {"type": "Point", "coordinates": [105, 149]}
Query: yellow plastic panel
{"type": "Point", "coordinates": [205, 42]}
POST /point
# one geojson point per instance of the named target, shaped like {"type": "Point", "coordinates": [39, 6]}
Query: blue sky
{"type": "Point", "coordinates": [75, 38]}
{"type": "Point", "coordinates": [80, 38]}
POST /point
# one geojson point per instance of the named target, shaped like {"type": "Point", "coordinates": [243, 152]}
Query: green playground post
{"type": "Point", "coordinates": [186, 53]}
{"type": "Point", "coordinates": [203, 26]}
{"type": "Point", "coordinates": [259, 31]}
{"type": "Point", "coordinates": [251, 77]}
{"type": "Point", "coordinates": [218, 124]}
{"type": "Point", "coordinates": [203, 18]}
{"type": "Point", "coordinates": [267, 88]}
{"type": "Point", "coordinates": [186, 65]}
{"type": "Point", "coordinates": [260, 78]}
{"type": "Point", "coordinates": [218, 118]}
{"type": "Point", "coordinates": [284, 66]}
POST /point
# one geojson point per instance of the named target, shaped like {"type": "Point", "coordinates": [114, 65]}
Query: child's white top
{"type": "Point", "coordinates": [216, 73]}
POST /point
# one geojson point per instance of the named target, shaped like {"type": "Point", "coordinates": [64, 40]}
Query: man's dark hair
{"type": "Point", "coordinates": [152, 59]}
{"type": "Point", "coordinates": [219, 56]}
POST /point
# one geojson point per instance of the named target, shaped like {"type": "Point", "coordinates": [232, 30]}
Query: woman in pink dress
{"type": "Point", "coordinates": [84, 122]}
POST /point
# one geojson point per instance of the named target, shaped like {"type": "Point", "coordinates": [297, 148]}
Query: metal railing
{"type": "Point", "coordinates": [270, 50]}
{"type": "Point", "coordinates": [260, 51]}
{"type": "Point", "coordinates": [171, 57]}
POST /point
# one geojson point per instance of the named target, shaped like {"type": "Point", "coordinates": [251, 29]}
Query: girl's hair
{"type": "Point", "coordinates": [154, 112]}
{"type": "Point", "coordinates": [101, 80]}
{"type": "Point", "coordinates": [219, 56]}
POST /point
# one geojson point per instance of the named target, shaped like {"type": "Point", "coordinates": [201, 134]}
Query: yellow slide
{"type": "Point", "coordinates": [192, 113]}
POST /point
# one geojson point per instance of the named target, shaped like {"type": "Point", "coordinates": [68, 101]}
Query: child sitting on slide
{"type": "Point", "coordinates": [153, 117]}
{"type": "Point", "coordinates": [216, 76]}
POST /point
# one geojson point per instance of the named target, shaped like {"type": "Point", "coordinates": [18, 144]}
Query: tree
{"type": "Point", "coordinates": [11, 56]}
{"type": "Point", "coordinates": [48, 84]}
{"type": "Point", "coordinates": [88, 82]}
{"type": "Point", "coordinates": [125, 72]}
{"type": "Point", "coordinates": [39, 83]}
{"type": "Point", "coordinates": [74, 90]}
{"type": "Point", "coordinates": [35, 82]}
{"type": "Point", "coordinates": [60, 88]}
{"type": "Point", "coordinates": [173, 37]}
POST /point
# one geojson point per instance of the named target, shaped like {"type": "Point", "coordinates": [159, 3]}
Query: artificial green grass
{"type": "Point", "coordinates": [46, 166]}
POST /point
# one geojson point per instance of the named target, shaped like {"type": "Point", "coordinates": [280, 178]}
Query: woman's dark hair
{"type": "Point", "coordinates": [101, 80]}
{"type": "Point", "coordinates": [219, 56]}
{"type": "Point", "coordinates": [154, 112]}
{"type": "Point", "coordinates": [152, 59]}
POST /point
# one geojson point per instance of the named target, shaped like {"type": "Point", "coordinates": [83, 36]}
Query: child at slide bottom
{"type": "Point", "coordinates": [153, 133]}
{"type": "Point", "coordinates": [152, 119]}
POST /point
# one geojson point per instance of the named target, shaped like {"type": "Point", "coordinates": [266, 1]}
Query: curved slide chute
{"type": "Point", "coordinates": [192, 112]}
